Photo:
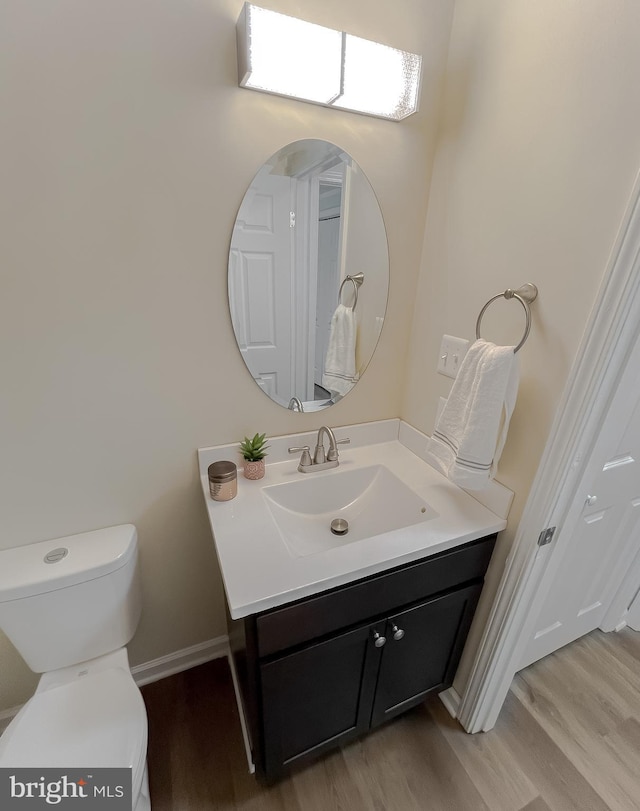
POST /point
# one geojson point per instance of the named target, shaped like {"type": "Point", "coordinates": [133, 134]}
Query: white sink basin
{"type": "Point", "coordinates": [371, 499]}
{"type": "Point", "coordinates": [274, 542]}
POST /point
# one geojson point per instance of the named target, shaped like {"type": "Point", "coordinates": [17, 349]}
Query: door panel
{"type": "Point", "coordinates": [605, 531]}
{"type": "Point", "coordinates": [427, 655]}
{"type": "Point", "coordinates": [328, 284]}
{"type": "Point", "coordinates": [318, 696]}
{"type": "Point", "coordinates": [260, 281]}
{"type": "Point", "coordinates": [633, 617]}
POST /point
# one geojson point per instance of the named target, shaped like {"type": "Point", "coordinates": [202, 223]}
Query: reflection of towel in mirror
{"type": "Point", "coordinates": [340, 362]}
{"type": "Point", "coordinates": [472, 428]}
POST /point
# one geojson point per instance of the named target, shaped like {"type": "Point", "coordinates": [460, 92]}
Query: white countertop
{"type": "Point", "coordinates": [257, 568]}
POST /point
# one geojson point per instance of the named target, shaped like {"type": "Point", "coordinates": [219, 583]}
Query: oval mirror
{"type": "Point", "coordinates": [308, 275]}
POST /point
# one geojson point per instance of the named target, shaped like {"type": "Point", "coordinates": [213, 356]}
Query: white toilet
{"type": "Point", "coordinates": [70, 606]}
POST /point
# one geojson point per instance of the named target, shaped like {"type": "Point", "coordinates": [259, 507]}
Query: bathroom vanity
{"type": "Point", "coordinates": [319, 672]}
{"type": "Point", "coordinates": [329, 642]}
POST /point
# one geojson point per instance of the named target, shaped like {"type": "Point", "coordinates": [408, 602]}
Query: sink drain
{"type": "Point", "coordinates": [339, 526]}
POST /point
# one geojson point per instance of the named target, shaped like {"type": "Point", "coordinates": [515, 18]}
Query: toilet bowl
{"type": "Point", "coordinates": [86, 712]}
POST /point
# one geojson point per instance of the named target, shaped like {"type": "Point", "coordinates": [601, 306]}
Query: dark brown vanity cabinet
{"type": "Point", "coordinates": [318, 697]}
{"type": "Point", "coordinates": [317, 673]}
{"type": "Point", "coordinates": [425, 658]}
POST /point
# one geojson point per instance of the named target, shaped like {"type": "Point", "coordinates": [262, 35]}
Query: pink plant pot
{"type": "Point", "coordinates": [254, 470]}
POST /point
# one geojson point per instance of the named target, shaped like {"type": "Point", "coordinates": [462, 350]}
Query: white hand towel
{"type": "Point", "coordinates": [472, 428]}
{"type": "Point", "coordinates": [340, 363]}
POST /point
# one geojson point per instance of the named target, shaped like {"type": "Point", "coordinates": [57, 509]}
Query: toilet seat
{"type": "Point", "coordinates": [96, 719]}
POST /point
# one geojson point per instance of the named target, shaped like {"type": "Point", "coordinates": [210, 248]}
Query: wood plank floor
{"type": "Point", "coordinates": [568, 738]}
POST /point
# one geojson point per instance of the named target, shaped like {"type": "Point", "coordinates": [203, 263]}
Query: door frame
{"type": "Point", "coordinates": [611, 331]}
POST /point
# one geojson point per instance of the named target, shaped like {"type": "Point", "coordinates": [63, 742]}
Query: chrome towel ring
{"type": "Point", "coordinates": [357, 279]}
{"type": "Point", "coordinates": [525, 295]}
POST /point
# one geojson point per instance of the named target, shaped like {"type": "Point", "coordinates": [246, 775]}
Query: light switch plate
{"type": "Point", "coordinates": [452, 350]}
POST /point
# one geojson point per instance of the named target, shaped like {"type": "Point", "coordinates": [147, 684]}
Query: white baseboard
{"type": "Point", "coordinates": [451, 701]}
{"type": "Point", "coordinates": [180, 660]}
{"type": "Point", "coordinates": [159, 668]}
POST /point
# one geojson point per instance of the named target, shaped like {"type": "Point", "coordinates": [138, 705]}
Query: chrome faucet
{"type": "Point", "coordinates": [321, 460]}
{"type": "Point", "coordinates": [319, 456]}
{"type": "Point", "coordinates": [294, 403]}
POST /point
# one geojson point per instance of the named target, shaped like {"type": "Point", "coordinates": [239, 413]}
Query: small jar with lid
{"type": "Point", "coordinates": [223, 481]}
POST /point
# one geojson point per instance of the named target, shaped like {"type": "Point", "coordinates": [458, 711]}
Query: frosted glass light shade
{"type": "Point", "coordinates": [290, 57]}
{"type": "Point", "coordinates": [379, 80]}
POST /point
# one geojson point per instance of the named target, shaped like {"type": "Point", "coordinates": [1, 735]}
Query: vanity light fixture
{"type": "Point", "coordinates": [290, 57]}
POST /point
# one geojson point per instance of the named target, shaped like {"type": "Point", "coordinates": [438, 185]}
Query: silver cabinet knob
{"type": "Point", "coordinates": [398, 633]}
{"type": "Point", "coordinates": [591, 500]}
{"type": "Point", "coordinates": [379, 641]}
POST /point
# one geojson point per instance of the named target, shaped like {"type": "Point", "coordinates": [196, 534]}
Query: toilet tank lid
{"type": "Point", "coordinates": [46, 566]}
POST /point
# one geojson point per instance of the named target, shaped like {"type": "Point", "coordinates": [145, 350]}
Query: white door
{"type": "Point", "coordinates": [604, 523]}
{"type": "Point", "coordinates": [328, 285]}
{"type": "Point", "coordinates": [260, 283]}
{"type": "Point", "coordinates": [633, 617]}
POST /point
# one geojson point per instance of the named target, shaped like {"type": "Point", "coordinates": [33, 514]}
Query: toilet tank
{"type": "Point", "coordinates": [71, 599]}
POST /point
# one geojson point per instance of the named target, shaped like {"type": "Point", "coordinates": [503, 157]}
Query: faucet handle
{"type": "Point", "coordinates": [332, 454]}
{"type": "Point", "coordinates": [305, 459]}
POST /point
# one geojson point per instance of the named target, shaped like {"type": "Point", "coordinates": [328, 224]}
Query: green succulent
{"type": "Point", "coordinates": [254, 449]}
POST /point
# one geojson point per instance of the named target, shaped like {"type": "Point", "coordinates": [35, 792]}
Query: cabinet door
{"type": "Point", "coordinates": [318, 697]}
{"type": "Point", "coordinates": [426, 656]}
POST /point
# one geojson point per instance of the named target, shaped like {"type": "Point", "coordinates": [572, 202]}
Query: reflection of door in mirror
{"type": "Point", "coordinates": [329, 268]}
{"type": "Point", "coordinates": [308, 219]}
{"type": "Point", "coordinates": [260, 283]}
{"type": "Point", "coordinates": [317, 195]}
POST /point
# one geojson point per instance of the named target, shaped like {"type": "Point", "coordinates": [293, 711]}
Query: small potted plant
{"type": "Point", "coordinates": [254, 450]}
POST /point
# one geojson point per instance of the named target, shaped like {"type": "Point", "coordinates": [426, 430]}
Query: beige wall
{"type": "Point", "coordinates": [538, 150]}
{"type": "Point", "coordinates": [125, 149]}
